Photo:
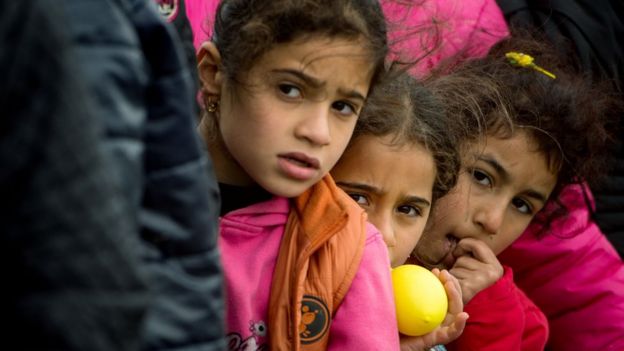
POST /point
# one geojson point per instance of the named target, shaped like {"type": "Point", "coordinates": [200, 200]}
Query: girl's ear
{"type": "Point", "coordinates": [208, 67]}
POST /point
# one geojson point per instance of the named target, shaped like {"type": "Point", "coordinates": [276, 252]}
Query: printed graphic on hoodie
{"type": "Point", "coordinates": [255, 342]}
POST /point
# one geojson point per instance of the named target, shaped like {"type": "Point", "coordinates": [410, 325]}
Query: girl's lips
{"type": "Point", "coordinates": [298, 165]}
{"type": "Point", "coordinates": [448, 260]}
{"type": "Point", "coordinates": [445, 262]}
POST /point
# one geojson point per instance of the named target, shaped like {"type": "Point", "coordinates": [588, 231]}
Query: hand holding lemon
{"type": "Point", "coordinates": [420, 299]}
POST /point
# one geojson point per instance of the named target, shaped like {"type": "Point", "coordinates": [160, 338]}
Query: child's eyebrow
{"type": "Point", "coordinates": [360, 186]}
{"type": "Point", "coordinates": [417, 200]}
{"type": "Point", "coordinates": [352, 94]}
{"type": "Point", "coordinates": [536, 195]}
{"type": "Point", "coordinates": [375, 190]}
{"type": "Point", "coordinates": [502, 172]}
{"type": "Point", "coordinates": [316, 83]}
{"type": "Point", "coordinates": [309, 80]}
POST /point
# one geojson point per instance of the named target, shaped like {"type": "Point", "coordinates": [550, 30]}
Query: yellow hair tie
{"type": "Point", "coordinates": [523, 60]}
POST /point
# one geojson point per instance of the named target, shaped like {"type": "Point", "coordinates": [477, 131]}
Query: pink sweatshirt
{"type": "Point", "coordinates": [249, 242]}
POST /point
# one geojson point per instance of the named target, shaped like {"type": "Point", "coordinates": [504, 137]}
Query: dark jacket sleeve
{"type": "Point", "coordinates": [133, 61]}
{"type": "Point", "coordinates": [71, 278]}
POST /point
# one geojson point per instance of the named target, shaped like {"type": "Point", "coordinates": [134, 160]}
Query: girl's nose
{"type": "Point", "coordinates": [314, 125]}
{"type": "Point", "coordinates": [384, 225]}
{"type": "Point", "coordinates": [489, 217]}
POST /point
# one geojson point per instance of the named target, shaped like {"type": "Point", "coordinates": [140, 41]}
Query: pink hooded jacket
{"type": "Point", "coordinates": [575, 276]}
{"type": "Point", "coordinates": [255, 233]}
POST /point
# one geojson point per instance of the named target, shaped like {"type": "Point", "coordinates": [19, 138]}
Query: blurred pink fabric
{"type": "Point", "coordinates": [451, 27]}
{"type": "Point", "coordinates": [201, 15]}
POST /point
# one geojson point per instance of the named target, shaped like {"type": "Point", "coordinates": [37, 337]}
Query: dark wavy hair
{"type": "Point", "coordinates": [571, 119]}
{"type": "Point", "coordinates": [402, 107]}
{"type": "Point", "coordinates": [246, 29]}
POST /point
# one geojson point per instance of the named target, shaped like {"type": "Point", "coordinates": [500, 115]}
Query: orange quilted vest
{"type": "Point", "coordinates": [319, 255]}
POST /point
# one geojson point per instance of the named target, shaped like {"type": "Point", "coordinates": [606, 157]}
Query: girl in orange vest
{"type": "Point", "coordinates": [283, 83]}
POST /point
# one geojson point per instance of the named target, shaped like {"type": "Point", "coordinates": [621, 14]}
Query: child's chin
{"type": "Point", "coordinates": [289, 189]}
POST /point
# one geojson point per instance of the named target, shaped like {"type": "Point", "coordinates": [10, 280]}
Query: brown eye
{"type": "Point", "coordinates": [522, 206]}
{"type": "Point", "coordinates": [290, 91]}
{"type": "Point", "coordinates": [360, 199]}
{"type": "Point", "coordinates": [481, 177]}
{"type": "Point", "coordinates": [409, 210]}
{"type": "Point", "coordinates": [344, 108]}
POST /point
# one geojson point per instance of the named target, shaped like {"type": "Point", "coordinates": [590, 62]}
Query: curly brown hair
{"type": "Point", "coordinates": [571, 119]}
{"type": "Point", "coordinates": [402, 107]}
{"type": "Point", "coordinates": [246, 29]}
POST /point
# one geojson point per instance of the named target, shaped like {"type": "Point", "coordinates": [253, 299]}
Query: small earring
{"type": "Point", "coordinates": [213, 105]}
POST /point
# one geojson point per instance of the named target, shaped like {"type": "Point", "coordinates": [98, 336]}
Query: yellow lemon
{"type": "Point", "coordinates": [420, 298]}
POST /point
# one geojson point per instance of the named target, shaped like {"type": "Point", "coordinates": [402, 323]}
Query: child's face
{"type": "Point", "coordinates": [502, 185]}
{"type": "Point", "coordinates": [291, 122]}
{"type": "Point", "coordinates": [394, 185]}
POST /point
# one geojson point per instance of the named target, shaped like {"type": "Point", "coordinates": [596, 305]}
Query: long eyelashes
{"type": "Point", "coordinates": [481, 177]}
{"type": "Point", "coordinates": [344, 108]}
{"type": "Point", "coordinates": [295, 93]}
{"type": "Point", "coordinates": [290, 91]}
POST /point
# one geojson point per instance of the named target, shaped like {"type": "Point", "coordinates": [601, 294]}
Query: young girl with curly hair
{"type": "Point", "coordinates": [541, 129]}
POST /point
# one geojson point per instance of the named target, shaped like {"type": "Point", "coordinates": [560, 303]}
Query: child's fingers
{"type": "Point", "coordinates": [468, 262]}
{"type": "Point", "coordinates": [455, 302]}
{"type": "Point", "coordinates": [476, 248]}
{"type": "Point", "coordinates": [436, 272]}
{"type": "Point", "coordinates": [443, 275]}
{"type": "Point", "coordinates": [414, 343]}
{"type": "Point", "coordinates": [446, 276]}
{"type": "Point", "coordinates": [450, 331]}
{"type": "Point", "coordinates": [457, 327]}
{"type": "Point", "coordinates": [462, 273]}
{"type": "Point", "coordinates": [452, 288]}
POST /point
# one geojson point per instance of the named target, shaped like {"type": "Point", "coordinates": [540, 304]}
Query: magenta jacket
{"type": "Point", "coordinates": [575, 276]}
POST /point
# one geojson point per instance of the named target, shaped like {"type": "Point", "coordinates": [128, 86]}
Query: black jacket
{"type": "Point", "coordinates": [72, 280]}
{"type": "Point", "coordinates": [138, 75]}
